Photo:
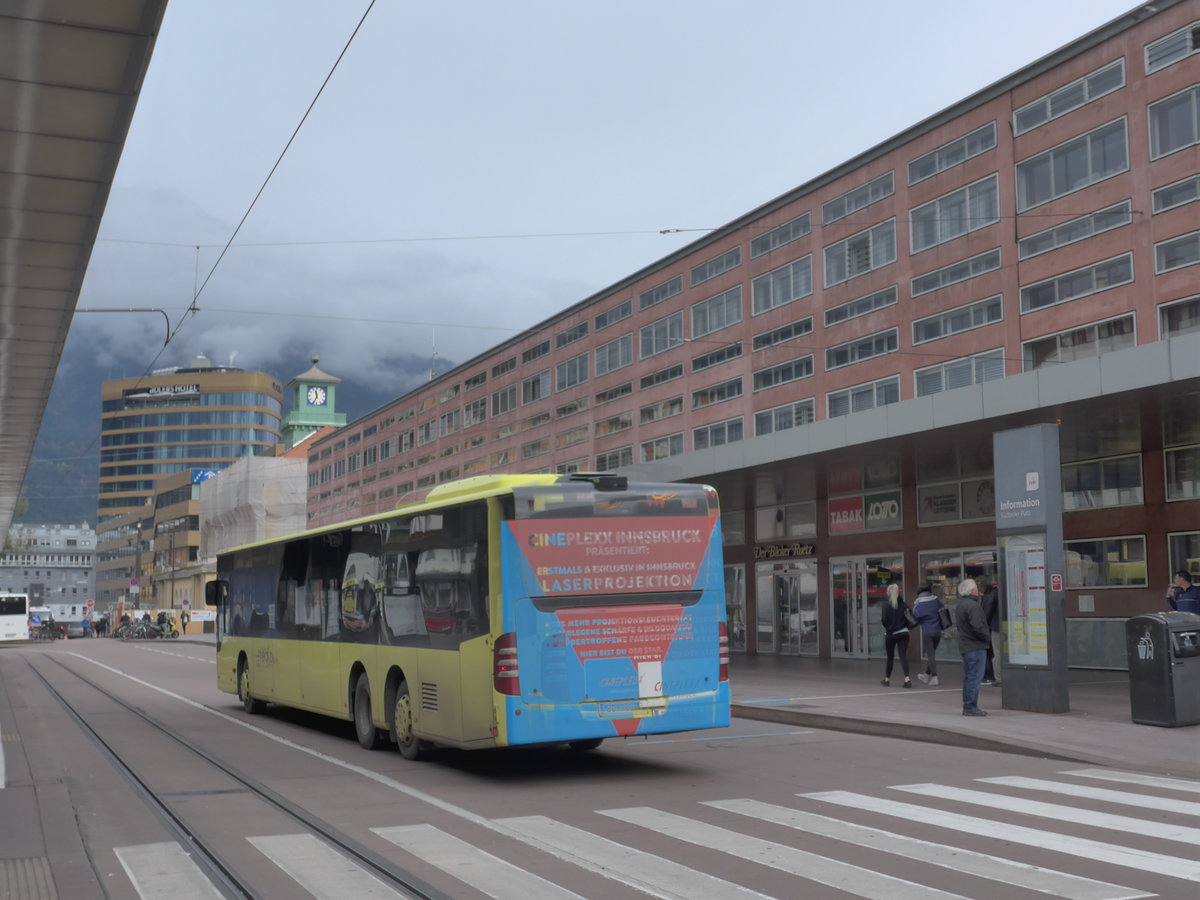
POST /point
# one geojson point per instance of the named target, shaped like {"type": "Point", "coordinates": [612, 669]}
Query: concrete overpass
{"type": "Point", "coordinates": [71, 72]}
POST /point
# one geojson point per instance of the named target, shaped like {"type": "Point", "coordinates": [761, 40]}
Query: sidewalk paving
{"type": "Point", "coordinates": [845, 695]}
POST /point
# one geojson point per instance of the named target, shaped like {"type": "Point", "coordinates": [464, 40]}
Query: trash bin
{"type": "Point", "coordinates": [1164, 668]}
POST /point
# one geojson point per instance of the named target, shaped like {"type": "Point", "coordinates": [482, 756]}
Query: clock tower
{"type": "Point", "coordinates": [313, 394]}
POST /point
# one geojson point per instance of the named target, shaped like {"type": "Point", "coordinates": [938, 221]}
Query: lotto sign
{"type": "Point", "coordinates": [1056, 582]}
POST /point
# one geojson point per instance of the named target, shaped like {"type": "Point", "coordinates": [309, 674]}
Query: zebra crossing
{"type": "Point", "coordinates": [1152, 846]}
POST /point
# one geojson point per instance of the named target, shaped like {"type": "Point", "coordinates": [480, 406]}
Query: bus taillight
{"type": "Point", "coordinates": [505, 672]}
{"type": "Point", "coordinates": [723, 650]}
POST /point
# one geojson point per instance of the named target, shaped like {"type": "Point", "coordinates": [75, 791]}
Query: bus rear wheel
{"type": "Point", "coordinates": [249, 704]}
{"type": "Point", "coordinates": [369, 737]}
{"type": "Point", "coordinates": [410, 746]}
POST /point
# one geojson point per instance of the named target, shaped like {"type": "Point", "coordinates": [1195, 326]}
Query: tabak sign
{"type": "Point", "coordinates": [611, 556]}
{"type": "Point", "coordinates": [869, 512]}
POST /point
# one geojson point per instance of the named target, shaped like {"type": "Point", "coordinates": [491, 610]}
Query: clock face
{"type": "Point", "coordinates": [316, 396]}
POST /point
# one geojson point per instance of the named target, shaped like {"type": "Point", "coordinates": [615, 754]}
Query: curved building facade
{"type": "Point", "coordinates": [200, 417]}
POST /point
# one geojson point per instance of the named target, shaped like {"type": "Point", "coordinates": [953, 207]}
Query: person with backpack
{"type": "Point", "coordinates": [926, 609]}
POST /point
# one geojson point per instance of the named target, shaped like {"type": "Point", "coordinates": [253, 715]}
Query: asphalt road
{"type": "Point", "coordinates": [754, 810]}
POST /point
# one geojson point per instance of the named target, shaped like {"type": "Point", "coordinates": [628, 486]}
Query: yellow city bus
{"type": "Point", "coordinates": [499, 611]}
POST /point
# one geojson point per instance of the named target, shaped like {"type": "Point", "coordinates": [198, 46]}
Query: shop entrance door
{"type": "Point", "coordinates": [858, 585]}
{"type": "Point", "coordinates": [786, 593]}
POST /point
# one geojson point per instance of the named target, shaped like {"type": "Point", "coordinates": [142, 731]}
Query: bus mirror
{"type": "Point", "coordinates": [215, 592]}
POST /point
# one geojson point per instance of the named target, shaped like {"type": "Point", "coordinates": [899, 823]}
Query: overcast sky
{"type": "Point", "coordinates": [473, 167]}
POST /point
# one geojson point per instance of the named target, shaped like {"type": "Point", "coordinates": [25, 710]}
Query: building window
{"type": "Point", "coordinates": [535, 352]}
{"type": "Point", "coordinates": [535, 448]}
{"type": "Point", "coordinates": [504, 401]}
{"type": "Point", "coordinates": [706, 271]}
{"type": "Point", "coordinates": [1177, 253]}
{"type": "Point", "coordinates": [955, 273]}
{"type": "Point", "coordinates": [535, 387]}
{"type": "Point", "coordinates": [571, 408]}
{"type": "Point", "coordinates": [717, 393]}
{"type": "Point", "coordinates": [1076, 230]}
{"type": "Point", "coordinates": [571, 372]}
{"type": "Point", "coordinates": [662, 292]}
{"type": "Point", "coordinates": [613, 424]}
{"type": "Point", "coordinates": [783, 334]}
{"type": "Point", "coordinates": [955, 214]}
{"type": "Point", "coordinates": [1174, 122]}
{"type": "Point", "coordinates": [1106, 562]}
{"type": "Point", "coordinates": [663, 335]}
{"type": "Point", "coordinates": [450, 423]}
{"type": "Point", "coordinates": [663, 447]}
{"type": "Point", "coordinates": [427, 432]}
{"type": "Point", "coordinates": [664, 409]}
{"type": "Point", "coordinates": [949, 155]}
{"type": "Point", "coordinates": [1081, 343]}
{"type": "Point", "coordinates": [1172, 48]}
{"type": "Point", "coordinates": [781, 286]}
{"type": "Point", "coordinates": [781, 235]}
{"type": "Point", "coordinates": [614, 315]}
{"type": "Point", "coordinates": [960, 373]}
{"type": "Point", "coordinates": [614, 393]}
{"type": "Point", "coordinates": [571, 438]}
{"type": "Point", "coordinates": [501, 368]}
{"type": "Point", "coordinates": [1097, 483]}
{"type": "Point", "coordinates": [859, 198]}
{"type": "Point", "coordinates": [792, 370]}
{"type": "Point", "coordinates": [1081, 283]}
{"type": "Point", "coordinates": [476, 380]}
{"type": "Point", "coordinates": [862, 349]}
{"type": "Point", "coordinates": [1179, 317]}
{"type": "Point", "coordinates": [955, 484]}
{"type": "Point", "coordinates": [1072, 165]}
{"type": "Point", "coordinates": [1070, 97]}
{"type": "Point", "coordinates": [781, 418]}
{"type": "Point", "coordinates": [474, 413]}
{"type": "Point", "coordinates": [863, 397]}
{"type": "Point", "coordinates": [964, 318]}
{"type": "Point", "coordinates": [1177, 194]}
{"type": "Point", "coordinates": [614, 355]}
{"type": "Point", "coordinates": [717, 357]}
{"type": "Point", "coordinates": [612, 460]}
{"type": "Point", "coordinates": [1181, 440]}
{"type": "Point", "coordinates": [717, 312]}
{"type": "Point", "coordinates": [860, 253]}
{"type": "Point", "coordinates": [571, 335]}
{"type": "Point", "coordinates": [717, 434]}
{"type": "Point", "coordinates": [662, 376]}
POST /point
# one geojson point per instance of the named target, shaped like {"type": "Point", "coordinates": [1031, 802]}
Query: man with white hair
{"type": "Point", "coordinates": [974, 637]}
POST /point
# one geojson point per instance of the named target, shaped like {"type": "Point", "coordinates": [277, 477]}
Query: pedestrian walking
{"type": "Point", "coordinates": [1183, 595]}
{"type": "Point", "coordinates": [990, 601]}
{"type": "Point", "coordinates": [184, 618]}
{"type": "Point", "coordinates": [927, 608]}
{"type": "Point", "coordinates": [974, 637]}
{"type": "Point", "coordinates": [895, 624]}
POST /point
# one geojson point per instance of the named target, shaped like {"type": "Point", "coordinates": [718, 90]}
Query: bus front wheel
{"type": "Point", "coordinates": [402, 723]}
{"type": "Point", "coordinates": [249, 704]}
{"type": "Point", "coordinates": [369, 737]}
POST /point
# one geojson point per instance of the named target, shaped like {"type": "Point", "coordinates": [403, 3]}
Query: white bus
{"type": "Point", "coordinates": [14, 617]}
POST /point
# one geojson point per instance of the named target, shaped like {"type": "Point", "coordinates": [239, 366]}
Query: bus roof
{"type": "Point", "coordinates": [476, 487]}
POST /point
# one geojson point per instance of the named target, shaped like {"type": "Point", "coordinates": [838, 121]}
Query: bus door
{"type": "Point", "coordinates": [858, 587]}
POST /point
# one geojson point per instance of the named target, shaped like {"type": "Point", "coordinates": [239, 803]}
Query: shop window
{"type": "Point", "coordinates": [1106, 562]}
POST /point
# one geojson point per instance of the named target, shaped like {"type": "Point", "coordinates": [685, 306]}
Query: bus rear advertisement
{"type": "Point", "coordinates": [500, 611]}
